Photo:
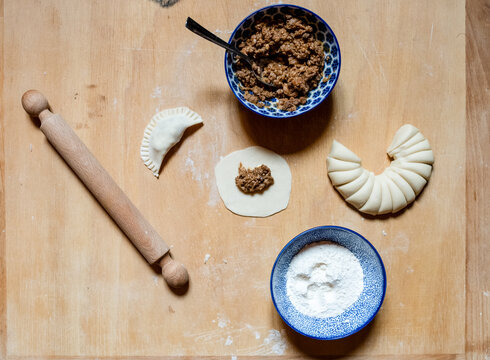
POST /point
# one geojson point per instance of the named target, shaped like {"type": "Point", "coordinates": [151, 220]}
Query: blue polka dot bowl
{"type": "Point", "coordinates": [357, 315]}
{"type": "Point", "coordinates": [323, 33]}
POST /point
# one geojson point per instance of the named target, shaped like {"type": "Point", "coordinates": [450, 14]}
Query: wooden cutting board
{"type": "Point", "coordinates": [77, 287]}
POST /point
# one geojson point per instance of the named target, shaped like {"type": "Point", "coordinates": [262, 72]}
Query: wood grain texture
{"type": "Point", "coordinates": [477, 184]}
{"type": "Point", "coordinates": [74, 291]}
{"type": "Point", "coordinates": [283, 357]}
{"type": "Point", "coordinates": [143, 236]}
{"type": "Point", "coordinates": [3, 274]}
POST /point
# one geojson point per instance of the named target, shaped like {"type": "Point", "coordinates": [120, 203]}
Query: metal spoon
{"type": "Point", "coordinates": [193, 26]}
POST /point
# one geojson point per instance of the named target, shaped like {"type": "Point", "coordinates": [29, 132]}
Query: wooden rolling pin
{"type": "Point", "coordinates": [104, 189]}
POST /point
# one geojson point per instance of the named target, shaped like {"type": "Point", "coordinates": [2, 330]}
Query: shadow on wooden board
{"type": "Point", "coordinates": [326, 349]}
{"type": "Point", "coordinates": [156, 268]}
{"type": "Point", "coordinates": [290, 135]}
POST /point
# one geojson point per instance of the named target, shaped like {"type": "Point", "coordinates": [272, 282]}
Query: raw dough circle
{"type": "Point", "coordinates": [269, 202]}
{"type": "Point", "coordinates": [396, 187]}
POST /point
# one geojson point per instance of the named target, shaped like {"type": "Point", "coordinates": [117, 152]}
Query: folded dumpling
{"type": "Point", "coordinates": [164, 131]}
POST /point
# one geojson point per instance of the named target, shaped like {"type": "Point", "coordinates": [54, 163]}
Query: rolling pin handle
{"type": "Point", "coordinates": [174, 273]}
{"type": "Point", "coordinates": [34, 103]}
{"type": "Point", "coordinates": [105, 190]}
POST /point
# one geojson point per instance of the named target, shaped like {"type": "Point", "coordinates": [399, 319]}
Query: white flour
{"type": "Point", "coordinates": [324, 279]}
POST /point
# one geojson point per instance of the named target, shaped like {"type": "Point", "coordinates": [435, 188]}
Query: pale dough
{"type": "Point", "coordinates": [340, 152]}
{"type": "Point", "coordinates": [386, 205]}
{"type": "Point", "coordinates": [373, 203]}
{"type": "Point", "coordinates": [398, 200]}
{"type": "Point", "coordinates": [164, 131]}
{"type": "Point", "coordinates": [416, 181]}
{"type": "Point", "coordinates": [396, 187]}
{"type": "Point", "coordinates": [405, 133]}
{"type": "Point", "coordinates": [344, 177]}
{"type": "Point", "coordinates": [360, 197]}
{"type": "Point", "coordinates": [272, 200]}
{"type": "Point", "coordinates": [406, 189]}
{"type": "Point", "coordinates": [350, 188]}
{"type": "Point", "coordinates": [423, 170]}
{"type": "Point", "coordinates": [340, 165]}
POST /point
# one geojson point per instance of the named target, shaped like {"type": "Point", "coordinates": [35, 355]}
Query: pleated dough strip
{"type": "Point", "coordinates": [418, 137]}
{"type": "Point", "coordinates": [416, 181]}
{"type": "Point", "coordinates": [421, 169]}
{"type": "Point", "coordinates": [396, 187]}
{"type": "Point", "coordinates": [361, 196]}
{"type": "Point", "coordinates": [405, 133]}
{"type": "Point", "coordinates": [426, 157]}
{"type": "Point", "coordinates": [398, 200]}
{"type": "Point", "coordinates": [386, 205]}
{"type": "Point", "coordinates": [340, 165]}
{"type": "Point", "coordinates": [344, 177]}
{"type": "Point", "coordinates": [340, 152]}
{"type": "Point", "coordinates": [402, 184]}
{"type": "Point", "coordinates": [373, 204]}
{"type": "Point", "coordinates": [350, 188]}
{"type": "Point", "coordinates": [421, 146]}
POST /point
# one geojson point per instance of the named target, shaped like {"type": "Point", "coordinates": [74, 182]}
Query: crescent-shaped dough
{"type": "Point", "coordinates": [396, 187]}
{"type": "Point", "coordinates": [164, 131]}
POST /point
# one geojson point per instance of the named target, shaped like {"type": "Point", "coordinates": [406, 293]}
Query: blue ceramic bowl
{"type": "Point", "coordinates": [323, 32]}
{"type": "Point", "coordinates": [355, 317]}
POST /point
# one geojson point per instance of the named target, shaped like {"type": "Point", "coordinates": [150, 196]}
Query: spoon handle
{"type": "Point", "coordinates": [208, 35]}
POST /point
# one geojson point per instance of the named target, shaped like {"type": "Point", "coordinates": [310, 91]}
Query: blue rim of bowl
{"type": "Point", "coordinates": [359, 328]}
{"type": "Point", "coordinates": [297, 7]}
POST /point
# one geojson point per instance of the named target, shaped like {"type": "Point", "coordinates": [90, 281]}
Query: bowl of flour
{"type": "Point", "coordinates": [328, 283]}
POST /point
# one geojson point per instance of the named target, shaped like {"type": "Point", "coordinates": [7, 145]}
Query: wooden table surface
{"type": "Point", "coordinates": [72, 286]}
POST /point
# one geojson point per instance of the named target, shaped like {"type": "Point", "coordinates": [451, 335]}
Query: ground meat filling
{"type": "Point", "coordinates": [255, 180]}
{"type": "Point", "coordinates": [291, 58]}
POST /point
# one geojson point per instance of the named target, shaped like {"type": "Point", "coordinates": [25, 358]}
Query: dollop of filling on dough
{"type": "Point", "coordinates": [254, 180]}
